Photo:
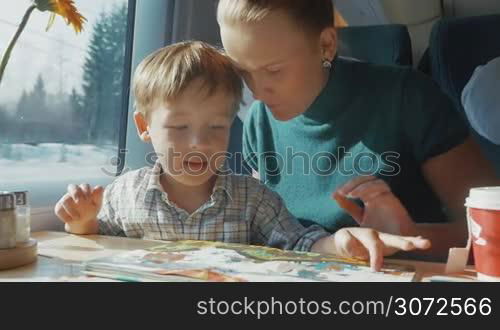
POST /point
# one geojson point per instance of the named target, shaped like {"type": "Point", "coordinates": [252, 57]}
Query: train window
{"type": "Point", "coordinates": [64, 97]}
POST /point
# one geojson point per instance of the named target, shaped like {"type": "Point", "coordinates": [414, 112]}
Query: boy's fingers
{"type": "Point", "coordinates": [354, 248]}
{"type": "Point", "coordinates": [419, 242]}
{"type": "Point", "coordinates": [97, 195]}
{"type": "Point", "coordinates": [351, 185]}
{"type": "Point", "coordinates": [396, 242]}
{"type": "Point", "coordinates": [76, 193]}
{"type": "Point", "coordinates": [59, 210]}
{"type": "Point", "coordinates": [353, 209]}
{"type": "Point", "coordinates": [370, 190]}
{"type": "Point", "coordinates": [63, 215]}
{"type": "Point", "coordinates": [348, 246]}
{"type": "Point", "coordinates": [86, 189]}
{"type": "Point", "coordinates": [375, 247]}
{"type": "Point", "coordinates": [70, 208]}
{"type": "Point", "coordinates": [405, 243]}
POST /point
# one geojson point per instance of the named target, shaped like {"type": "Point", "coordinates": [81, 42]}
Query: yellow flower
{"type": "Point", "coordinates": [64, 8]}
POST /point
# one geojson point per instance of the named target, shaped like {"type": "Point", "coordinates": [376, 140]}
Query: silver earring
{"type": "Point", "coordinates": [327, 64]}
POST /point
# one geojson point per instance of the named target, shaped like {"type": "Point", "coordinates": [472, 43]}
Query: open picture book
{"type": "Point", "coordinates": [226, 262]}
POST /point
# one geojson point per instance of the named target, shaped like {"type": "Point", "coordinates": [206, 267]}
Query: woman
{"type": "Point", "coordinates": [384, 136]}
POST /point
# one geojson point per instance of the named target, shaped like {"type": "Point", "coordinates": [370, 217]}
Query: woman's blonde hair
{"type": "Point", "coordinates": [312, 15]}
{"type": "Point", "coordinates": [166, 73]}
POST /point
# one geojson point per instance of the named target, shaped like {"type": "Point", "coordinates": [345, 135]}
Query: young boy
{"type": "Point", "coordinates": [187, 95]}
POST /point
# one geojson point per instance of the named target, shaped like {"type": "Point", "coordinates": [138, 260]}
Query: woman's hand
{"type": "Point", "coordinates": [382, 210]}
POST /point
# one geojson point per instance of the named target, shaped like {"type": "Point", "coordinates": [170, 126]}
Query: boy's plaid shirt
{"type": "Point", "coordinates": [240, 210]}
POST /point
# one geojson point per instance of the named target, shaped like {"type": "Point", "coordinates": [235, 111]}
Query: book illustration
{"type": "Point", "coordinates": [264, 253]}
{"type": "Point", "coordinates": [226, 262]}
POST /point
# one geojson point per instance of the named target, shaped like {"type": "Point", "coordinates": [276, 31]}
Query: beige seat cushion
{"type": "Point", "coordinates": [419, 16]}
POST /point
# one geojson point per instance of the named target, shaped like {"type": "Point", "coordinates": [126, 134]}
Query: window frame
{"type": "Point", "coordinates": [147, 37]}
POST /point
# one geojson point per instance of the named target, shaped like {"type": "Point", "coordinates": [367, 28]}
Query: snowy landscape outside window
{"type": "Point", "coordinates": [61, 100]}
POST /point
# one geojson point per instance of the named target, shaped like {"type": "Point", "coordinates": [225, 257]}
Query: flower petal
{"type": "Point", "coordinates": [68, 10]}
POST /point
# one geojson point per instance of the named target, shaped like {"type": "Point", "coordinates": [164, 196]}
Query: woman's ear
{"type": "Point", "coordinates": [142, 127]}
{"type": "Point", "coordinates": [329, 43]}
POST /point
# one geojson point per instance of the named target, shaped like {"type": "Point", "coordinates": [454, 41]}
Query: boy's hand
{"type": "Point", "coordinates": [368, 244]}
{"type": "Point", "coordinates": [79, 207]}
{"type": "Point", "coordinates": [382, 210]}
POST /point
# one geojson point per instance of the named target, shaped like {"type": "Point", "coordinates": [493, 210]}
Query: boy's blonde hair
{"type": "Point", "coordinates": [312, 15]}
{"type": "Point", "coordinates": [165, 74]}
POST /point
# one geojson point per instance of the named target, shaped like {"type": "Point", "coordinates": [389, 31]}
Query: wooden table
{"type": "Point", "coordinates": [60, 258]}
